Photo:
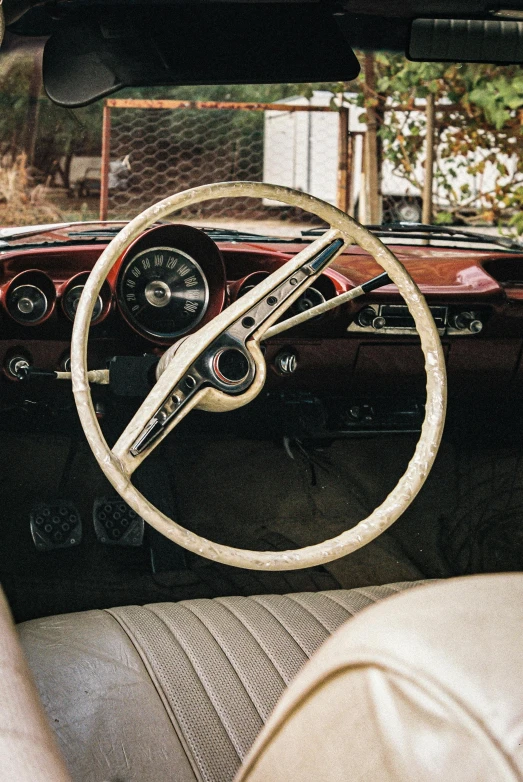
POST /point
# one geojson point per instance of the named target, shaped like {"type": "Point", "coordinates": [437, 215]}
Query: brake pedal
{"type": "Point", "coordinates": [116, 524]}
{"type": "Point", "coordinates": [55, 525]}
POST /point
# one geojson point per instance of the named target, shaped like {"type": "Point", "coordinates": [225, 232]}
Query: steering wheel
{"type": "Point", "coordinates": [221, 367]}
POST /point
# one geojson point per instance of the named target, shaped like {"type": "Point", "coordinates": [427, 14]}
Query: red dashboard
{"type": "Point", "coordinates": [476, 298]}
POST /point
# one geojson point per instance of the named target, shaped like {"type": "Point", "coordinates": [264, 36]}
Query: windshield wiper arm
{"type": "Point", "coordinates": [241, 236]}
{"type": "Point", "coordinates": [435, 231]}
{"type": "Point", "coordinates": [21, 233]}
{"type": "Point", "coordinates": [104, 232]}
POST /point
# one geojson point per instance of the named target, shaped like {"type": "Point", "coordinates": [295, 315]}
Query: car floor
{"type": "Point", "coordinates": [258, 494]}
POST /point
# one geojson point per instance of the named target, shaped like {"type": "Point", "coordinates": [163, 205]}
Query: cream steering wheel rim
{"type": "Point", "coordinates": [427, 447]}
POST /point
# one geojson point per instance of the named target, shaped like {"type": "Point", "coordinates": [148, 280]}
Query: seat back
{"type": "Point", "coordinates": [423, 687]}
{"type": "Point", "coordinates": [28, 751]}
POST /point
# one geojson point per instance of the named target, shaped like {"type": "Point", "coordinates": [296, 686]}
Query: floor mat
{"type": "Point", "coordinates": [237, 491]}
{"type": "Point", "coordinates": [484, 531]}
{"type": "Point", "coordinates": [248, 493]}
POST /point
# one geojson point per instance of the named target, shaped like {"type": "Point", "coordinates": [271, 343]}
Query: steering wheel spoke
{"type": "Point", "coordinates": [161, 411]}
{"type": "Point", "coordinates": [330, 304]}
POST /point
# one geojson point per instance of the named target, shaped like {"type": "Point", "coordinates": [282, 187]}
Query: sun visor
{"type": "Point", "coordinates": [235, 43]}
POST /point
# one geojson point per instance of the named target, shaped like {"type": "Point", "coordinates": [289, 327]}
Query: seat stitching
{"type": "Point", "coordinates": [397, 588]}
{"type": "Point", "coordinates": [308, 611]}
{"type": "Point", "coordinates": [285, 628]}
{"type": "Point", "coordinates": [178, 640]}
{"type": "Point", "coordinates": [256, 641]}
{"type": "Point", "coordinates": [236, 671]}
{"type": "Point", "coordinates": [369, 595]}
{"type": "Point", "coordinates": [342, 605]}
{"type": "Point", "coordinates": [394, 588]}
{"type": "Point", "coordinates": [208, 691]}
{"type": "Point", "coordinates": [403, 585]}
{"type": "Point", "coordinates": [294, 598]}
{"type": "Point", "coordinates": [159, 689]}
{"type": "Point", "coordinates": [233, 612]}
{"type": "Point", "coordinates": [338, 603]}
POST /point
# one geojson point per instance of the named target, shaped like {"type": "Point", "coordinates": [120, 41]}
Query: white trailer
{"type": "Point", "coordinates": [301, 147]}
{"type": "Point", "coordinates": [301, 151]}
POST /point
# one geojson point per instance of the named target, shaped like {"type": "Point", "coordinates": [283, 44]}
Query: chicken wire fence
{"type": "Point", "coordinates": [153, 148]}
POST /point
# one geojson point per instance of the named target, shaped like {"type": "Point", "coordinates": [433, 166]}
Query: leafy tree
{"type": "Point", "coordinates": [479, 121]}
{"type": "Point", "coordinates": [60, 133]}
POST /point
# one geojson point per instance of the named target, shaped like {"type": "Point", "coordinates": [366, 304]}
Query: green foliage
{"type": "Point", "coordinates": [479, 131]}
{"type": "Point", "coordinates": [444, 218]}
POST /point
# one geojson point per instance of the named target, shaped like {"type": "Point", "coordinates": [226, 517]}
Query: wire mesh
{"type": "Point", "coordinates": [153, 152]}
{"type": "Point", "coordinates": [153, 148]}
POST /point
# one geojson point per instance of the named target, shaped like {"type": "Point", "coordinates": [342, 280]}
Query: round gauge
{"type": "Point", "coordinates": [27, 303]}
{"type": "Point", "coordinates": [163, 292]}
{"type": "Point", "coordinates": [71, 299]}
{"type": "Point", "coordinates": [311, 298]}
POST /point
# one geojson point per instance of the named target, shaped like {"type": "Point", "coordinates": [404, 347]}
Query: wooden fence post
{"type": "Point", "coordinates": [371, 165]}
{"type": "Point", "coordinates": [343, 159]}
{"type": "Point", "coordinates": [104, 173]}
{"type": "Point", "coordinates": [428, 210]}
{"type": "Point", "coordinates": [350, 173]}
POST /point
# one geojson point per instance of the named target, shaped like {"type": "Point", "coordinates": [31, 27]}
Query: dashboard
{"type": "Point", "coordinates": [175, 278]}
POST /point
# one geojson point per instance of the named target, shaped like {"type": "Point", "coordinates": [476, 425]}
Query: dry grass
{"type": "Point", "coordinates": [21, 201]}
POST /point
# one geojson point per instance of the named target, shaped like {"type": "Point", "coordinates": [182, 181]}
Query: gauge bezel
{"type": "Point", "coordinates": [70, 314]}
{"type": "Point", "coordinates": [130, 317]}
{"type": "Point", "coordinates": [79, 280]}
{"type": "Point", "coordinates": [36, 279]}
{"type": "Point", "coordinates": [200, 249]}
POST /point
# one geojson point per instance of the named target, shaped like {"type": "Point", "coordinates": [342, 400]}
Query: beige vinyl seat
{"type": "Point", "coordinates": [426, 685]}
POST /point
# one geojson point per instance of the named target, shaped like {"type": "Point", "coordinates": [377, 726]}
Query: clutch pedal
{"type": "Point", "coordinates": [116, 524]}
{"type": "Point", "coordinates": [55, 525]}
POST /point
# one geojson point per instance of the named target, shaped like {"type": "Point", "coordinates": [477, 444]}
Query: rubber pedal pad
{"type": "Point", "coordinates": [55, 525]}
{"type": "Point", "coordinates": [116, 524]}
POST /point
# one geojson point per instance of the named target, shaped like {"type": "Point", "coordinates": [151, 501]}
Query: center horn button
{"type": "Point", "coordinates": [230, 366]}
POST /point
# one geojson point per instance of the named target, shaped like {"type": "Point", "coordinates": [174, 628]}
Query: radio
{"type": "Point", "coordinates": [396, 319]}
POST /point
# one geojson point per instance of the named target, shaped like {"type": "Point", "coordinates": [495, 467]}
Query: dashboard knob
{"type": "Point", "coordinates": [467, 321]}
{"type": "Point", "coordinates": [379, 322]}
{"type": "Point", "coordinates": [286, 362]}
{"type": "Point", "coordinates": [366, 316]}
{"type": "Point", "coordinates": [475, 326]}
{"type": "Point", "coordinates": [18, 367]}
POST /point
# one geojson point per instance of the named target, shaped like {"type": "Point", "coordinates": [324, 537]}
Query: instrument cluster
{"type": "Point", "coordinates": [166, 283]}
{"type": "Point", "coordinates": [31, 298]}
{"type": "Point", "coordinates": [169, 282]}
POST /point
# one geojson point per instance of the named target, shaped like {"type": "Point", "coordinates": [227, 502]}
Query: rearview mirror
{"type": "Point", "coordinates": [466, 40]}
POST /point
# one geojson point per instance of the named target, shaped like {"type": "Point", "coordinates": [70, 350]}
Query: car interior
{"type": "Point", "coordinates": [262, 495]}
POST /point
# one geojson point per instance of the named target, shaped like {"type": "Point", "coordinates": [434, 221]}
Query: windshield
{"type": "Point", "coordinates": [360, 145]}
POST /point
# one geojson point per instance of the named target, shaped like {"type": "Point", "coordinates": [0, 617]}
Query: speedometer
{"type": "Point", "coordinates": [163, 292]}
